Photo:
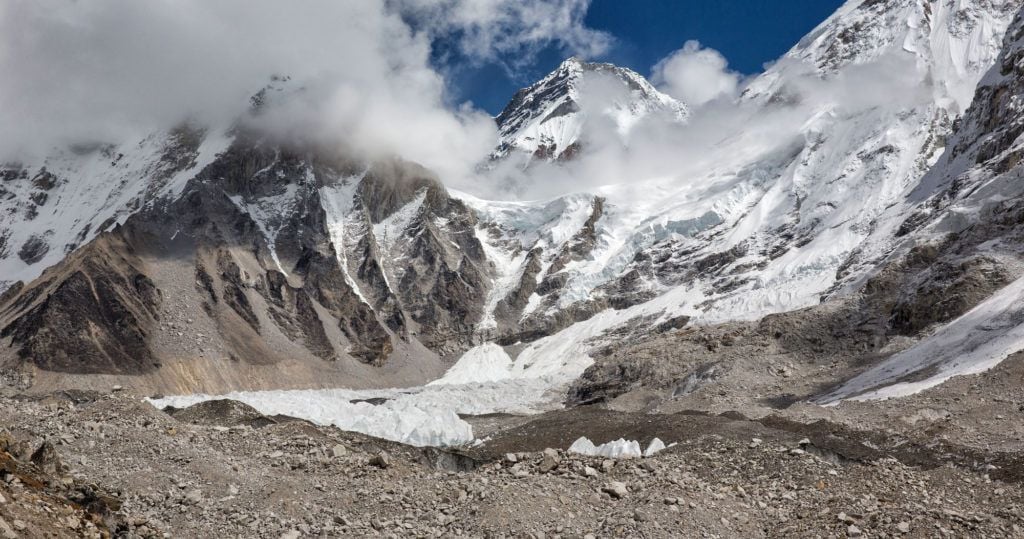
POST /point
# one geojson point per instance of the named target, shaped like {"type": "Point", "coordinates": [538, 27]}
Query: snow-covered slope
{"type": "Point", "coordinates": [49, 208]}
{"type": "Point", "coordinates": [805, 196]}
{"type": "Point", "coordinates": [972, 195]}
{"type": "Point", "coordinates": [551, 119]}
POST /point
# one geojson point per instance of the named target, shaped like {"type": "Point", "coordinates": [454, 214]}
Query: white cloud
{"type": "Point", "coordinates": [722, 137]}
{"type": "Point", "coordinates": [512, 30]}
{"type": "Point", "coordinates": [695, 75]}
{"type": "Point", "coordinates": [108, 70]}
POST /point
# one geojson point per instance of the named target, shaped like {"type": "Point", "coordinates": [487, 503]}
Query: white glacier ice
{"type": "Point", "coordinates": [656, 446]}
{"type": "Point", "coordinates": [484, 381]}
{"type": "Point", "coordinates": [617, 449]}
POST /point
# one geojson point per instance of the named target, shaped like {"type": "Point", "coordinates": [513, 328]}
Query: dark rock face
{"type": "Point", "coordinates": [390, 185]}
{"type": "Point", "coordinates": [512, 305]}
{"type": "Point", "coordinates": [234, 295]}
{"type": "Point", "coordinates": [945, 291]}
{"type": "Point", "coordinates": [253, 228]}
{"type": "Point", "coordinates": [370, 341]}
{"type": "Point", "coordinates": [445, 293]}
{"type": "Point", "coordinates": [33, 250]}
{"type": "Point", "coordinates": [439, 286]}
{"type": "Point", "coordinates": [94, 319]}
{"type": "Point", "coordinates": [293, 311]}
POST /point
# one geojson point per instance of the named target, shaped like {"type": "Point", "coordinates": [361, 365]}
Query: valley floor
{"type": "Point", "coordinates": [947, 462]}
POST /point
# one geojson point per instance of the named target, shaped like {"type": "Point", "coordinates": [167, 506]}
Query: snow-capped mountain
{"type": "Point", "coordinates": [549, 119]}
{"type": "Point", "coordinates": [55, 205]}
{"type": "Point", "coordinates": [768, 224]}
{"type": "Point", "coordinates": [214, 259]}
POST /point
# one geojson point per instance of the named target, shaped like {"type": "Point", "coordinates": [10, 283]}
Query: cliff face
{"type": "Point", "coordinates": [268, 255]}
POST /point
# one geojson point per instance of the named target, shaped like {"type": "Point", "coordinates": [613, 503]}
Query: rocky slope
{"type": "Point", "coordinates": [222, 469]}
{"type": "Point", "coordinates": [270, 262]}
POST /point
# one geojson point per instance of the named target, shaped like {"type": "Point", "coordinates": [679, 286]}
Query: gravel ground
{"type": "Point", "coordinates": [222, 470]}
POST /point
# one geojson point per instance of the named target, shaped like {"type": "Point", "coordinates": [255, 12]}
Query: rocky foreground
{"type": "Point", "coordinates": [78, 464]}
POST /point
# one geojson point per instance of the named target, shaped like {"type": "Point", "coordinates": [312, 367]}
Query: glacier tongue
{"type": "Point", "coordinates": [484, 381]}
{"type": "Point", "coordinates": [420, 416]}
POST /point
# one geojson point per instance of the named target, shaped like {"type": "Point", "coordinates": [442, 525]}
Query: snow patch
{"type": "Point", "coordinates": [270, 215]}
{"type": "Point", "coordinates": [485, 363]}
{"type": "Point", "coordinates": [977, 341]}
{"type": "Point", "coordinates": [388, 231]}
{"type": "Point", "coordinates": [338, 202]}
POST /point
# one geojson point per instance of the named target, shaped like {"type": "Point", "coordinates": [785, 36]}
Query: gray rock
{"type": "Point", "coordinates": [616, 489]}
{"type": "Point", "coordinates": [548, 463]}
{"type": "Point", "coordinates": [194, 496]}
{"type": "Point", "coordinates": [6, 531]}
{"type": "Point", "coordinates": [381, 460]}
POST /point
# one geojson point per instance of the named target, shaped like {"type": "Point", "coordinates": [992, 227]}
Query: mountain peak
{"type": "Point", "coordinates": [571, 61]}
{"type": "Point", "coordinates": [547, 119]}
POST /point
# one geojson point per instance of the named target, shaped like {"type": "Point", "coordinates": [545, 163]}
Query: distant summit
{"type": "Point", "coordinates": [548, 119]}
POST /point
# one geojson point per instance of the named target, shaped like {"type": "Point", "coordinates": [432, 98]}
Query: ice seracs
{"type": "Point", "coordinates": [616, 449]}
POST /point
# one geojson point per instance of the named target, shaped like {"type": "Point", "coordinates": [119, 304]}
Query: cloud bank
{"type": "Point", "coordinates": [361, 77]}
{"type": "Point", "coordinates": [736, 125]}
{"type": "Point", "coordinates": [109, 70]}
{"type": "Point", "coordinates": [696, 75]}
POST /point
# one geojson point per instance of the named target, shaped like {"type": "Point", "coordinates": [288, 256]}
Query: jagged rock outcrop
{"type": "Point", "coordinates": [92, 315]}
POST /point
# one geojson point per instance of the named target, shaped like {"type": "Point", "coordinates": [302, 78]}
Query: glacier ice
{"type": "Point", "coordinates": [656, 446]}
{"type": "Point", "coordinates": [617, 449]}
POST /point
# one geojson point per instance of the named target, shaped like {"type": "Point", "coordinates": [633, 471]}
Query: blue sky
{"type": "Point", "coordinates": [747, 32]}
